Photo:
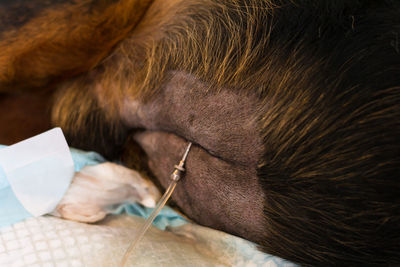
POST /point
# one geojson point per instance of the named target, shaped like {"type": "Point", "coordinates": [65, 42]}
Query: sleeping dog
{"type": "Point", "coordinates": [292, 106]}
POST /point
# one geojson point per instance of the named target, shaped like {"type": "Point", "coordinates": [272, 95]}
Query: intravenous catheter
{"type": "Point", "coordinates": [175, 177]}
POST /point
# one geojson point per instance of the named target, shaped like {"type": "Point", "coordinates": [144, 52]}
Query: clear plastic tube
{"type": "Point", "coordinates": [175, 176]}
{"type": "Point", "coordinates": [149, 221]}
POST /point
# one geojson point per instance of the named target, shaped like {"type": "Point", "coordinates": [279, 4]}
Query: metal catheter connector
{"type": "Point", "coordinates": [179, 169]}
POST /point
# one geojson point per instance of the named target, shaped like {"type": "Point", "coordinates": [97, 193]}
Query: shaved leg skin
{"type": "Point", "coordinates": [220, 188]}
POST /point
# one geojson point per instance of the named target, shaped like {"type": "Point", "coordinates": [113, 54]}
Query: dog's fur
{"type": "Point", "coordinates": [293, 107]}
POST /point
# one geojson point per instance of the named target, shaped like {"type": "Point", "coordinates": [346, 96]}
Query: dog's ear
{"type": "Point", "coordinates": [41, 41]}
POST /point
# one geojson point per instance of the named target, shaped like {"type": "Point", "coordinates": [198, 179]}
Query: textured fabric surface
{"type": "Point", "coordinates": [50, 241]}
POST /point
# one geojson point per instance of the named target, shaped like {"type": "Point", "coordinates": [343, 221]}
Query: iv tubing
{"type": "Point", "coordinates": [149, 221]}
{"type": "Point", "coordinates": [175, 176]}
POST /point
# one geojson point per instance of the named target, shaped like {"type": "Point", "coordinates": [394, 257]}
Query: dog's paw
{"type": "Point", "coordinates": [96, 190]}
{"type": "Point", "coordinates": [82, 213]}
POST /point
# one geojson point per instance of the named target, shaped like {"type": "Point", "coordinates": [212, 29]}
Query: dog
{"type": "Point", "coordinates": [292, 107]}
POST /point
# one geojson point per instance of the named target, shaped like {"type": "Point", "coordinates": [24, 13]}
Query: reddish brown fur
{"type": "Point", "coordinates": [327, 84]}
{"type": "Point", "coordinates": [23, 116]}
{"type": "Point", "coordinates": [64, 41]}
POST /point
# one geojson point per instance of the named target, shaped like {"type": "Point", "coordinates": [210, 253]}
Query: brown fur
{"type": "Point", "coordinates": [23, 116]}
{"type": "Point", "coordinates": [64, 40]}
{"type": "Point", "coordinates": [326, 78]}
